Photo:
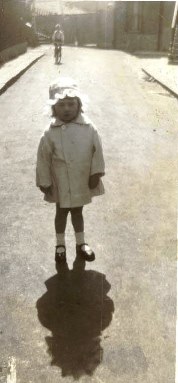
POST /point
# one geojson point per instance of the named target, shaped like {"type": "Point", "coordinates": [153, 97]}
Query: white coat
{"type": "Point", "coordinates": [68, 154]}
{"type": "Point", "coordinates": [58, 36]}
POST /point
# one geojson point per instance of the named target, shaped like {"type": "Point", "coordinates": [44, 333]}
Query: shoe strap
{"type": "Point", "coordinates": [86, 247]}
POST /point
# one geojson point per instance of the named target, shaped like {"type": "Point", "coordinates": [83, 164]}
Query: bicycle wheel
{"type": "Point", "coordinates": [59, 55]}
{"type": "Point", "coordinates": [56, 54]}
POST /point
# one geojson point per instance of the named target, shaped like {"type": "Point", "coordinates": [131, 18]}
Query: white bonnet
{"type": "Point", "coordinates": [63, 87]}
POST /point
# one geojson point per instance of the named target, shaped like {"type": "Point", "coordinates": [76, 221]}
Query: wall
{"type": "Point", "coordinates": [12, 52]}
{"type": "Point", "coordinates": [80, 28]}
{"type": "Point", "coordinates": [13, 15]}
{"type": "Point", "coordinates": [147, 30]}
{"type": "Point", "coordinates": [120, 19]}
{"type": "Point", "coordinates": [168, 10]}
{"type": "Point", "coordinates": [105, 27]}
{"type": "Point", "coordinates": [47, 23]}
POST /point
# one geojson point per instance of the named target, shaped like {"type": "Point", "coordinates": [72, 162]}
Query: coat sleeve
{"type": "Point", "coordinates": [97, 163]}
{"type": "Point", "coordinates": [43, 166]}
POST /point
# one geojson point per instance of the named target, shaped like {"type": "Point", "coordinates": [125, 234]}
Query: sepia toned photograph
{"type": "Point", "coordinates": [88, 196]}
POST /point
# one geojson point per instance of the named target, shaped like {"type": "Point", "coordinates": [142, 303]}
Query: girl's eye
{"type": "Point", "coordinates": [69, 104]}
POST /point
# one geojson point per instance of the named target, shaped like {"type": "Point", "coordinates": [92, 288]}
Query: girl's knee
{"type": "Point", "coordinates": [61, 212]}
{"type": "Point", "coordinates": [76, 211]}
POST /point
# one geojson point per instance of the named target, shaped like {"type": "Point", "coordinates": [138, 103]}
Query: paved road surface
{"type": "Point", "coordinates": [114, 320]}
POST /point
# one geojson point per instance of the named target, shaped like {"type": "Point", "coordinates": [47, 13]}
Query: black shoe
{"type": "Point", "coordinates": [87, 254]}
{"type": "Point", "coordinates": [60, 257]}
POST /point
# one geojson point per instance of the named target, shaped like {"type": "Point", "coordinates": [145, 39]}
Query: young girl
{"type": "Point", "coordinates": [70, 165]}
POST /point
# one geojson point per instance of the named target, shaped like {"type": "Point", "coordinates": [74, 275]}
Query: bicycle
{"type": "Point", "coordinates": [58, 52]}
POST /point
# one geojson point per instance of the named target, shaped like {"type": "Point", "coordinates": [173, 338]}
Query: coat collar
{"type": "Point", "coordinates": [81, 119]}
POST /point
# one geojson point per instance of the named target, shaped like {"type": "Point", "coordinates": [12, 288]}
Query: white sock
{"type": "Point", "coordinates": [80, 238]}
{"type": "Point", "coordinates": [60, 239]}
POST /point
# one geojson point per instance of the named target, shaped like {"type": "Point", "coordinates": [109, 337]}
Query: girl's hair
{"type": "Point", "coordinates": [53, 112]}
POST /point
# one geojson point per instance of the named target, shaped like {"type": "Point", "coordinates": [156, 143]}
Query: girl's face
{"type": "Point", "coordinates": [67, 109]}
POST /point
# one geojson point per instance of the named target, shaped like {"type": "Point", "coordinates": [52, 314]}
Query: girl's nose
{"type": "Point", "coordinates": [66, 108]}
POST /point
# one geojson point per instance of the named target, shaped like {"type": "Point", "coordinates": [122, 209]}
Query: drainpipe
{"type": "Point", "coordinates": [174, 20]}
{"type": "Point", "coordinates": [173, 28]}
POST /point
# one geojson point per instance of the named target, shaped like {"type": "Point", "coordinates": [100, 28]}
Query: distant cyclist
{"type": "Point", "coordinates": [58, 40]}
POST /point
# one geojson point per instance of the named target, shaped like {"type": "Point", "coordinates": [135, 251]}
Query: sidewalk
{"type": "Point", "coordinates": [13, 69]}
{"type": "Point", "coordinates": [163, 72]}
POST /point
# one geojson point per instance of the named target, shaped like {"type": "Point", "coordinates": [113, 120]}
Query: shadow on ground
{"type": "Point", "coordinates": [76, 309]}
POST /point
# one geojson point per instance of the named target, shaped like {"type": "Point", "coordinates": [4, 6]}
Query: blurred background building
{"type": "Point", "coordinates": [125, 25]}
{"type": "Point", "coordinates": [15, 23]}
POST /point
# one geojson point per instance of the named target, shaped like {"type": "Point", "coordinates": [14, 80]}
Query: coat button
{"type": "Point", "coordinates": [63, 127]}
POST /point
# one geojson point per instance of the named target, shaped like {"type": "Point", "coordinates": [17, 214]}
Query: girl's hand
{"type": "Point", "coordinates": [46, 190]}
{"type": "Point", "coordinates": [93, 181]}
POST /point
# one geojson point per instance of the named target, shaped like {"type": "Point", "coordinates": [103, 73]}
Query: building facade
{"type": "Point", "coordinates": [135, 25]}
{"type": "Point", "coordinates": [125, 25]}
{"type": "Point", "coordinates": [143, 25]}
